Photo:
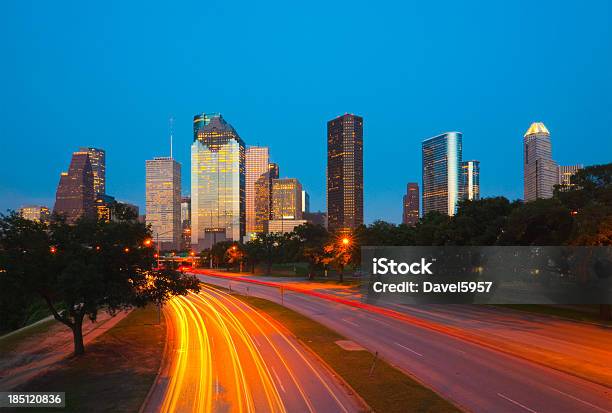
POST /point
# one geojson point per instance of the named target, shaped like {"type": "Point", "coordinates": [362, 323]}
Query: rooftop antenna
{"type": "Point", "coordinates": [171, 121]}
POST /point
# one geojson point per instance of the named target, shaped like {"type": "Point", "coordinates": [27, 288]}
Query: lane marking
{"type": "Point", "coordinates": [278, 379]}
{"type": "Point", "coordinates": [517, 403]}
{"type": "Point", "coordinates": [350, 322]}
{"type": "Point", "coordinates": [409, 349]}
{"type": "Point", "coordinates": [217, 385]}
{"type": "Point", "coordinates": [580, 400]}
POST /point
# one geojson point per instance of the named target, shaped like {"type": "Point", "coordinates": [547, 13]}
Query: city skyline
{"type": "Point", "coordinates": [132, 88]}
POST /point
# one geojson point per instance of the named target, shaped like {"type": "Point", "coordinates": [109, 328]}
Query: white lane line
{"type": "Point", "coordinates": [277, 379]}
{"type": "Point", "coordinates": [409, 349]}
{"type": "Point", "coordinates": [517, 403]}
{"type": "Point", "coordinates": [350, 322]}
{"type": "Point", "coordinates": [580, 400]}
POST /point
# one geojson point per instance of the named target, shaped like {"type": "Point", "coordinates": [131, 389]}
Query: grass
{"type": "Point", "coordinates": [115, 373]}
{"type": "Point", "coordinates": [10, 341]}
{"type": "Point", "coordinates": [591, 313]}
{"type": "Point", "coordinates": [387, 390]}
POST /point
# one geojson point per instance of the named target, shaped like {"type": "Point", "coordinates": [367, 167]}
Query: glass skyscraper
{"type": "Point", "coordinates": [470, 180]}
{"type": "Point", "coordinates": [345, 173]}
{"type": "Point", "coordinates": [442, 172]}
{"type": "Point", "coordinates": [217, 182]}
{"type": "Point", "coordinates": [75, 196]}
{"type": "Point", "coordinates": [97, 159]}
{"type": "Point", "coordinates": [540, 172]}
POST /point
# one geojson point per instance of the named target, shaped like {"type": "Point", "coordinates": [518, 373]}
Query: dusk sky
{"type": "Point", "coordinates": [110, 74]}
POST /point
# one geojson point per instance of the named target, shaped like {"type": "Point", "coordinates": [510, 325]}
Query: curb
{"type": "Point", "coordinates": [159, 370]}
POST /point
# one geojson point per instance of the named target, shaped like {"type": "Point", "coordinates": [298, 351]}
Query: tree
{"type": "Point", "coordinates": [312, 239]}
{"type": "Point", "coordinates": [84, 268]}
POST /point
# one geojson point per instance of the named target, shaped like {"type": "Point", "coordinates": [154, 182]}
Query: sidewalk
{"type": "Point", "coordinates": [39, 351]}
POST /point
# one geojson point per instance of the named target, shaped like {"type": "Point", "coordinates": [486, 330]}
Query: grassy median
{"type": "Point", "coordinates": [116, 371]}
{"type": "Point", "coordinates": [386, 390]}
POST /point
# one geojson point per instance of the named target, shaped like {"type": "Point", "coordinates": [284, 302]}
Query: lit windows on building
{"type": "Point", "coordinates": [470, 180]}
{"type": "Point", "coordinates": [257, 164]}
{"type": "Point", "coordinates": [286, 199]}
{"type": "Point", "coordinates": [441, 172]}
{"type": "Point", "coordinates": [411, 211]}
{"type": "Point", "coordinates": [75, 196]}
{"type": "Point", "coordinates": [540, 172]}
{"type": "Point", "coordinates": [345, 173]}
{"type": "Point", "coordinates": [97, 158]}
{"type": "Point", "coordinates": [38, 213]}
{"type": "Point", "coordinates": [217, 182]}
{"type": "Point", "coordinates": [163, 201]}
{"type": "Point", "coordinates": [565, 175]}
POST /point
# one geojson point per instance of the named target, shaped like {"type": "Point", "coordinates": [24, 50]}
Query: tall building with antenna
{"type": "Point", "coordinates": [163, 198]}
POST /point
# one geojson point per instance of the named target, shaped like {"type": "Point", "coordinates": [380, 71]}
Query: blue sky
{"type": "Point", "coordinates": [110, 74]}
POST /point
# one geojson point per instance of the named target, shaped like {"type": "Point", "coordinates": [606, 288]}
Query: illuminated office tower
{"type": "Point", "coordinates": [186, 222]}
{"type": "Point", "coordinates": [411, 204]}
{"type": "Point", "coordinates": [201, 120]}
{"type": "Point", "coordinates": [35, 213]}
{"type": "Point", "coordinates": [565, 175]}
{"type": "Point", "coordinates": [263, 198]}
{"type": "Point", "coordinates": [442, 172]}
{"type": "Point", "coordinates": [75, 196]}
{"type": "Point", "coordinates": [257, 161]}
{"type": "Point", "coordinates": [305, 202]}
{"type": "Point", "coordinates": [345, 173]}
{"type": "Point", "coordinates": [97, 158]}
{"type": "Point", "coordinates": [470, 180]}
{"type": "Point", "coordinates": [217, 183]}
{"type": "Point", "coordinates": [163, 201]}
{"type": "Point", "coordinates": [286, 199]}
{"type": "Point", "coordinates": [540, 172]}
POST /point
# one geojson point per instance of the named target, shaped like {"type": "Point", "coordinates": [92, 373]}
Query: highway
{"type": "Point", "coordinates": [476, 378]}
{"type": "Point", "coordinates": [224, 356]}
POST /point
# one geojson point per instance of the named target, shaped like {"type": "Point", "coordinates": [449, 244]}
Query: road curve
{"type": "Point", "coordinates": [224, 356]}
{"type": "Point", "coordinates": [477, 378]}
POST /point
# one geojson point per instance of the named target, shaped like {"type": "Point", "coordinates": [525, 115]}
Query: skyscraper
{"type": "Point", "coordinates": [186, 222]}
{"type": "Point", "coordinates": [163, 201]}
{"type": "Point", "coordinates": [345, 173]}
{"type": "Point", "coordinates": [305, 202]}
{"type": "Point", "coordinates": [441, 172]}
{"type": "Point", "coordinates": [257, 161]}
{"type": "Point", "coordinates": [75, 194]}
{"type": "Point", "coordinates": [565, 175]}
{"type": "Point", "coordinates": [217, 183]}
{"type": "Point", "coordinates": [539, 170]}
{"type": "Point", "coordinates": [470, 180]}
{"type": "Point", "coordinates": [35, 213]}
{"type": "Point", "coordinates": [97, 158]}
{"type": "Point", "coordinates": [263, 198]}
{"type": "Point", "coordinates": [286, 199]}
{"type": "Point", "coordinates": [411, 204]}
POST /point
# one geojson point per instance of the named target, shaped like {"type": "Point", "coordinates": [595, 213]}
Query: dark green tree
{"type": "Point", "coordinates": [82, 269]}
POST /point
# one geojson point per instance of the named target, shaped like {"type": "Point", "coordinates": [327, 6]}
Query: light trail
{"type": "Point", "coordinates": [226, 356]}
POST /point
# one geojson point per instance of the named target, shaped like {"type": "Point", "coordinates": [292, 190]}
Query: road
{"type": "Point", "coordinates": [223, 355]}
{"type": "Point", "coordinates": [583, 349]}
{"type": "Point", "coordinates": [476, 378]}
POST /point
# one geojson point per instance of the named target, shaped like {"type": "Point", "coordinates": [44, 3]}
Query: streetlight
{"type": "Point", "coordinates": [346, 241]}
